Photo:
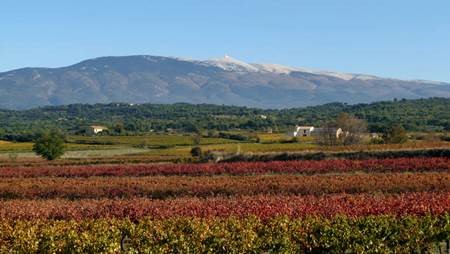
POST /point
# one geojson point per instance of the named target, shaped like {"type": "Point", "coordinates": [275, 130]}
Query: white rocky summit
{"type": "Point", "coordinates": [231, 64]}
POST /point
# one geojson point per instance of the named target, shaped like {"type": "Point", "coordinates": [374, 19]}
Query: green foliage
{"type": "Point", "coordinates": [376, 141]}
{"type": "Point", "coordinates": [395, 135]}
{"type": "Point", "coordinates": [119, 128]}
{"type": "Point", "coordinates": [373, 234]}
{"type": "Point", "coordinates": [196, 151]}
{"type": "Point", "coordinates": [414, 115]}
{"type": "Point", "coordinates": [351, 155]}
{"type": "Point", "coordinates": [352, 127]}
{"type": "Point", "coordinates": [234, 136]}
{"type": "Point", "coordinates": [49, 145]}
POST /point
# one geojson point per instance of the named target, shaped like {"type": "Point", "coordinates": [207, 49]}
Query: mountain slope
{"type": "Point", "coordinates": [143, 79]}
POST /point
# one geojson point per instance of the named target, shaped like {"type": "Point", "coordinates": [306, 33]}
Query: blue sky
{"type": "Point", "coordinates": [407, 39]}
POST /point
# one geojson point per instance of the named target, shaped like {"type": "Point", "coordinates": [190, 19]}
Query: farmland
{"type": "Point", "coordinates": [176, 147]}
{"type": "Point", "coordinates": [162, 187]}
{"type": "Point", "coordinates": [123, 131]}
{"type": "Point", "coordinates": [385, 202]}
{"type": "Point", "coordinates": [268, 193]}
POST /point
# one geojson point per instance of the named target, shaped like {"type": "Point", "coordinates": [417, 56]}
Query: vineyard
{"type": "Point", "coordinates": [399, 205]}
{"type": "Point", "coordinates": [236, 168]}
{"type": "Point", "coordinates": [157, 145]}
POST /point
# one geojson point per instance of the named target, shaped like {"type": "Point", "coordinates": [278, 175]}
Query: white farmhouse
{"type": "Point", "coordinates": [95, 129]}
{"type": "Point", "coordinates": [302, 131]}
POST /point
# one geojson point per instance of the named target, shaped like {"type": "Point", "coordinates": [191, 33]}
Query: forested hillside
{"type": "Point", "coordinates": [415, 115]}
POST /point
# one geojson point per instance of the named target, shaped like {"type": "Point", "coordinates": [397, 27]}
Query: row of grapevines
{"type": "Point", "coordinates": [261, 206]}
{"type": "Point", "coordinates": [417, 164]}
{"type": "Point", "coordinates": [377, 234]}
{"type": "Point", "coordinates": [161, 187]}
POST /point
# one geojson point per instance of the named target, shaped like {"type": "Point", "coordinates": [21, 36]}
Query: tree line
{"type": "Point", "coordinates": [129, 119]}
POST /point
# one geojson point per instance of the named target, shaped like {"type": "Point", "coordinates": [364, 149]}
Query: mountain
{"type": "Point", "coordinates": [155, 79]}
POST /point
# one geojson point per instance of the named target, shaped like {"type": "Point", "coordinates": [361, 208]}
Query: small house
{"type": "Point", "coordinates": [302, 131]}
{"type": "Point", "coordinates": [95, 129]}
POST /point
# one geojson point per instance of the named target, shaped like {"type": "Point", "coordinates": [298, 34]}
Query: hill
{"type": "Point", "coordinates": [415, 115]}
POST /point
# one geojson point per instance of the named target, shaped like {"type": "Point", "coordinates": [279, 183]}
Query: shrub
{"type": "Point", "coordinates": [196, 151]}
{"type": "Point", "coordinates": [395, 135]}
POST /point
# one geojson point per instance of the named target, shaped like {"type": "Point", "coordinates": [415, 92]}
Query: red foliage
{"type": "Point", "coordinates": [418, 164]}
{"type": "Point", "coordinates": [261, 206]}
{"type": "Point", "coordinates": [205, 186]}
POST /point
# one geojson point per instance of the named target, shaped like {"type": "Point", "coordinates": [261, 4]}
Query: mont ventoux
{"type": "Point", "coordinates": [155, 79]}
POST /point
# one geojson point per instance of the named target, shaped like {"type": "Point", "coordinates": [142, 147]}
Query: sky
{"type": "Point", "coordinates": [407, 39]}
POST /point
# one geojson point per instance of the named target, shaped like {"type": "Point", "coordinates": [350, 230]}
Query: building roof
{"type": "Point", "coordinates": [98, 127]}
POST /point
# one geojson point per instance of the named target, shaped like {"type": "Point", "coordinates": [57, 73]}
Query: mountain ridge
{"type": "Point", "coordinates": [158, 79]}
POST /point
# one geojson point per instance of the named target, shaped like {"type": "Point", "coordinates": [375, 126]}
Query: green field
{"type": "Point", "coordinates": [177, 147]}
{"type": "Point", "coordinates": [146, 140]}
{"type": "Point", "coordinates": [8, 147]}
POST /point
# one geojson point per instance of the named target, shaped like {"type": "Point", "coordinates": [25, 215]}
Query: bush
{"type": "Point", "coordinates": [395, 135]}
{"type": "Point", "coordinates": [289, 141]}
{"type": "Point", "coordinates": [357, 155]}
{"type": "Point", "coordinates": [376, 141]}
{"type": "Point", "coordinates": [196, 152]}
{"type": "Point", "coordinates": [24, 137]}
{"type": "Point", "coordinates": [232, 136]}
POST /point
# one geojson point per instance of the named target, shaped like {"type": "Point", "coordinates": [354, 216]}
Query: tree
{"type": "Point", "coordinates": [327, 138]}
{"type": "Point", "coordinates": [352, 127]}
{"type": "Point", "coordinates": [352, 131]}
{"type": "Point", "coordinates": [395, 135]}
{"type": "Point", "coordinates": [190, 127]}
{"type": "Point", "coordinates": [119, 128]}
{"type": "Point", "coordinates": [49, 145]}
